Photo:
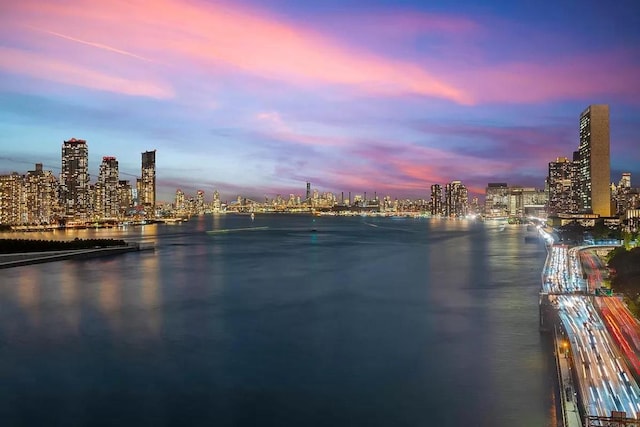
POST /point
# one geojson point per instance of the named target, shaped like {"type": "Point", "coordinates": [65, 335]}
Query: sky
{"type": "Point", "coordinates": [256, 98]}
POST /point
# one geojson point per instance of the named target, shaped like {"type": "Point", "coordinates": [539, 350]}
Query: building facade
{"type": "Point", "coordinates": [526, 201]}
{"type": "Point", "coordinates": [496, 200]}
{"type": "Point", "coordinates": [593, 175]}
{"type": "Point", "coordinates": [147, 190]}
{"type": "Point", "coordinates": [436, 200]}
{"type": "Point", "coordinates": [125, 196]}
{"type": "Point", "coordinates": [74, 179]}
{"type": "Point", "coordinates": [12, 200]}
{"type": "Point", "coordinates": [561, 187]}
{"type": "Point", "coordinates": [107, 204]}
{"type": "Point", "coordinates": [456, 199]}
{"type": "Point", "coordinates": [41, 196]}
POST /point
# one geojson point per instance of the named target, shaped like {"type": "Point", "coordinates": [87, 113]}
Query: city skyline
{"type": "Point", "coordinates": [348, 96]}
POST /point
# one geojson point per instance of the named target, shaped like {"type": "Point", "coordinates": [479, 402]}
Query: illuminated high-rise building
{"type": "Point", "coordinates": [74, 179]}
{"type": "Point", "coordinates": [125, 196]}
{"type": "Point", "coordinates": [456, 199]}
{"type": "Point", "coordinates": [624, 197]}
{"type": "Point", "coordinates": [200, 207]}
{"type": "Point", "coordinates": [147, 195]}
{"type": "Point", "coordinates": [179, 201]}
{"type": "Point", "coordinates": [137, 201]}
{"type": "Point", "coordinates": [561, 186]}
{"type": "Point", "coordinates": [12, 201]}
{"type": "Point", "coordinates": [215, 204]}
{"type": "Point", "coordinates": [625, 181]}
{"type": "Point", "coordinates": [525, 201]}
{"type": "Point", "coordinates": [496, 200]}
{"type": "Point", "coordinates": [41, 196]}
{"type": "Point", "coordinates": [593, 175]}
{"type": "Point", "coordinates": [436, 199]}
{"type": "Point", "coordinates": [107, 194]}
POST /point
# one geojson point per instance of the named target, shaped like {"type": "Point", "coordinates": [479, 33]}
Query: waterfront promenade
{"type": "Point", "coordinates": [19, 259]}
{"type": "Point", "coordinates": [568, 394]}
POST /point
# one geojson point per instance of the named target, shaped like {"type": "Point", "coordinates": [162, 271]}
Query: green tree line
{"type": "Point", "coordinates": [625, 265]}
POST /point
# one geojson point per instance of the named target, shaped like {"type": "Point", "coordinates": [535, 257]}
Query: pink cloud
{"type": "Point", "coordinates": [406, 24]}
{"type": "Point", "coordinates": [416, 22]}
{"type": "Point", "coordinates": [97, 45]}
{"type": "Point", "coordinates": [221, 38]}
{"type": "Point", "coordinates": [578, 77]}
{"type": "Point", "coordinates": [36, 65]}
{"type": "Point", "coordinates": [274, 127]}
{"type": "Point", "coordinates": [526, 143]}
{"type": "Point", "coordinates": [400, 167]}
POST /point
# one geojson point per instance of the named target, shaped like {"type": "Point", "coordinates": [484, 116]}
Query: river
{"type": "Point", "coordinates": [284, 320]}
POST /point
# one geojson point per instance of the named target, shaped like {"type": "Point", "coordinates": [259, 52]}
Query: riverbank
{"type": "Point", "coordinates": [20, 259]}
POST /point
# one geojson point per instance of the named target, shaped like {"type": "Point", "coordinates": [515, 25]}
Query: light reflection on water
{"type": "Point", "coordinates": [343, 321]}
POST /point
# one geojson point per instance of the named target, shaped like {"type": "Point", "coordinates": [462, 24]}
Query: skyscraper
{"type": "Point", "coordinates": [436, 199]}
{"type": "Point", "coordinates": [593, 176]}
{"type": "Point", "coordinates": [12, 206]}
{"type": "Point", "coordinates": [179, 201]}
{"type": "Point", "coordinates": [107, 194]}
{"type": "Point", "coordinates": [148, 182]}
{"type": "Point", "coordinates": [215, 204]}
{"type": "Point", "coordinates": [74, 179]}
{"type": "Point", "coordinates": [456, 199]}
{"type": "Point", "coordinates": [560, 182]}
{"type": "Point", "coordinates": [41, 195]}
{"type": "Point", "coordinates": [200, 205]}
{"type": "Point", "coordinates": [625, 181]}
{"type": "Point", "coordinates": [125, 196]}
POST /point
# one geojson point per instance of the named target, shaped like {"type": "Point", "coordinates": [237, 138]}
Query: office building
{"type": "Point", "coordinates": [74, 179]}
{"type": "Point", "coordinates": [215, 203]}
{"type": "Point", "coordinates": [147, 190]}
{"type": "Point", "coordinates": [625, 180]}
{"type": "Point", "coordinates": [12, 203]}
{"type": "Point", "coordinates": [436, 200]}
{"type": "Point", "coordinates": [180, 201]}
{"type": "Point", "coordinates": [456, 199]}
{"type": "Point", "coordinates": [200, 205]}
{"type": "Point", "coordinates": [593, 176]}
{"type": "Point", "coordinates": [125, 196]}
{"type": "Point", "coordinates": [41, 196]}
{"type": "Point", "coordinates": [560, 186]}
{"type": "Point", "coordinates": [107, 193]}
{"type": "Point", "coordinates": [496, 200]}
{"type": "Point", "coordinates": [526, 201]}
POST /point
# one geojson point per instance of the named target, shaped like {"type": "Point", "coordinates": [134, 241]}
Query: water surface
{"type": "Point", "coordinates": [292, 321]}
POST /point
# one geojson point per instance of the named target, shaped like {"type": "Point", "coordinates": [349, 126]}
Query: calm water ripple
{"type": "Point", "coordinates": [292, 320]}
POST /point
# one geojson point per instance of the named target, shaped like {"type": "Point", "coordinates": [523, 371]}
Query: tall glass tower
{"type": "Point", "coordinates": [107, 191]}
{"type": "Point", "coordinates": [593, 175]}
{"type": "Point", "coordinates": [148, 182]}
{"type": "Point", "coordinates": [74, 179]}
{"type": "Point", "coordinates": [436, 200]}
{"type": "Point", "coordinates": [560, 182]}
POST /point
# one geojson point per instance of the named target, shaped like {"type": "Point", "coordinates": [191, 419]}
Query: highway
{"type": "Point", "coordinates": [606, 382]}
{"type": "Point", "coordinates": [623, 328]}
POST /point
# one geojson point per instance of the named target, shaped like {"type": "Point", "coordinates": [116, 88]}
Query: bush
{"type": "Point", "coordinates": [627, 268]}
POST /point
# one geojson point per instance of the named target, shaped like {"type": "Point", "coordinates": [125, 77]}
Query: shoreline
{"type": "Point", "coordinates": [30, 258]}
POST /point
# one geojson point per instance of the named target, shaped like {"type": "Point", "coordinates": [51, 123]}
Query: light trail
{"type": "Point", "coordinates": [603, 348]}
